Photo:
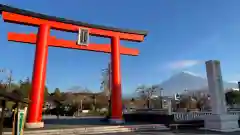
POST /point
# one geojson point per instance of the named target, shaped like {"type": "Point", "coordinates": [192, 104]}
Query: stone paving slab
{"type": "Point", "coordinates": [95, 130]}
{"type": "Point", "coordinates": [175, 132]}
{"type": "Point", "coordinates": [79, 126]}
{"type": "Point", "coordinates": [66, 122]}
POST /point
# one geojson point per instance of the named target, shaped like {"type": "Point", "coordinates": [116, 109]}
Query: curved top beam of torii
{"type": "Point", "coordinates": [19, 16]}
{"type": "Point", "coordinates": [70, 25]}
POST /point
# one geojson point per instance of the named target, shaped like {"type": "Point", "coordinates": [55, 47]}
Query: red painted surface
{"type": "Point", "coordinates": [116, 96]}
{"type": "Point", "coordinates": [21, 19]}
{"type": "Point", "coordinates": [39, 75]}
{"type": "Point", "coordinates": [54, 42]}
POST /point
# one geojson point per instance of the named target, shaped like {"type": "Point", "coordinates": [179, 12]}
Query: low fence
{"type": "Point", "coordinates": [186, 116]}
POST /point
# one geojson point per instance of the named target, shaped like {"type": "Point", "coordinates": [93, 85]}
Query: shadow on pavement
{"type": "Point", "coordinates": [75, 121]}
{"type": "Point", "coordinates": [82, 121]}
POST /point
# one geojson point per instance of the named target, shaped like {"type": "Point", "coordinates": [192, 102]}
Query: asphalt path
{"type": "Point", "coordinates": [50, 121]}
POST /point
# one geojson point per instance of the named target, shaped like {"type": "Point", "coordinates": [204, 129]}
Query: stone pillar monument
{"type": "Point", "coordinates": [216, 89]}
{"type": "Point", "coordinates": [220, 120]}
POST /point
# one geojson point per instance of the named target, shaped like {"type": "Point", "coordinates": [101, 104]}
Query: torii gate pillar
{"type": "Point", "coordinates": [39, 77]}
{"type": "Point", "coordinates": [116, 95]}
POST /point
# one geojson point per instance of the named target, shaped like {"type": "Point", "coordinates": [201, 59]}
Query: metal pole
{"type": "Point", "coordinates": [110, 91]}
{"type": "Point", "coordinates": [161, 98]}
{"type": "Point", "coordinates": [110, 77]}
{"type": "Point", "coordinates": [169, 106]}
{"type": "Point", "coordinates": [81, 105]}
{"type": "Point", "coordinates": [16, 121]}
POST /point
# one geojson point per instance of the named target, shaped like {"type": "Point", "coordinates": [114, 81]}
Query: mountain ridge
{"type": "Point", "coordinates": [182, 81]}
{"type": "Point", "coordinates": [179, 82]}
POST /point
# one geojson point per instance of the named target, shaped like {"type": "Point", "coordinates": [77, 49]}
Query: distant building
{"type": "Point", "coordinates": [177, 96]}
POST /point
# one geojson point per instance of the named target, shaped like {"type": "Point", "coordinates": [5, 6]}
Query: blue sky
{"type": "Point", "coordinates": [182, 35]}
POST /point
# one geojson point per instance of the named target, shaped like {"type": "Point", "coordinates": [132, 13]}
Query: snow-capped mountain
{"type": "Point", "coordinates": [187, 80]}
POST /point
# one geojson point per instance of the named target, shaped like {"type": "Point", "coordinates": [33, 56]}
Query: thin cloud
{"type": "Point", "coordinates": [192, 73]}
{"type": "Point", "coordinates": [233, 78]}
{"type": "Point", "coordinates": [232, 81]}
{"type": "Point", "coordinates": [182, 64]}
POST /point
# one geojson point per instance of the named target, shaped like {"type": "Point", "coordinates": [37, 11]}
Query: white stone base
{"type": "Point", "coordinates": [116, 121]}
{"type": "Point", "coordinates": [34, 125]}
{"type": "Point", "coordinates": [222, 123]}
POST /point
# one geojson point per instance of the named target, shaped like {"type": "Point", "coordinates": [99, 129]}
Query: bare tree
{"type": "Point", "coordinates": [147, 92]}
{"type": "Point", "coordinates": [9, 78]}
{"type": "Point", "coordinates": [105, 82]}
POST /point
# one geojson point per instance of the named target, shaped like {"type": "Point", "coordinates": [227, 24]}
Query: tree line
{"type": "Point", "coordinates": [58, 101]}
{"type": "Point", "coordinates": [93, 101]}
{"type": "Point", "coordinates": [186, 101]}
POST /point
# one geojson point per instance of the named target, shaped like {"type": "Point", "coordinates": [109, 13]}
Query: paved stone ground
{"type": "Point", "coordinates": [70, 122]}
{"type": "Point", "coordinates": [182, 132]}
{"type": "Point", "coordinates": [65, 122]}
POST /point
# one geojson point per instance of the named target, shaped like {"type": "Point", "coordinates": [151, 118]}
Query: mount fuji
{"type": "Point", "coordinates": [190, 81]}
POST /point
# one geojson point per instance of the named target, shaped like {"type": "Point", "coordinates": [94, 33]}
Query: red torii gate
{"type": "Point", "coordinates": [43, 39]}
